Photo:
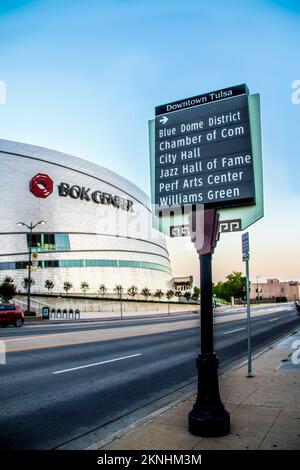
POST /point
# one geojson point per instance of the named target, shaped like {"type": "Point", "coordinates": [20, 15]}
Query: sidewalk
{"type": "Point", "coordinates": [265, 410]}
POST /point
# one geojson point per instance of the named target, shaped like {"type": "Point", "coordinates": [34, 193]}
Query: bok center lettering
{"type": "Point", "coordinates": [98, 197]}
{"type": "Point", "coordinates": [203, 155]}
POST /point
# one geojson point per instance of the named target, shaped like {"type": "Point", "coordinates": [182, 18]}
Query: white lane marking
{"type": "Point", "coordinates": [274, 319]}
{"type": "Point", "coordinates": [96, 364]}
{"type": "Point", "coordinates": [233, 331]}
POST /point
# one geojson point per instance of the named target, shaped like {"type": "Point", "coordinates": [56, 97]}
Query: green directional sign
{"type": "Point", "coordinates": [236, 191]}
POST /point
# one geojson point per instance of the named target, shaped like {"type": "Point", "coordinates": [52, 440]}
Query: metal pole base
{"type": "Point", "coordinates": [208, 418]}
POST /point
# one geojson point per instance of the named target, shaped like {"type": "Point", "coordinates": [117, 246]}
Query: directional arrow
{"type": "Point", "coordinates": [164, 120]}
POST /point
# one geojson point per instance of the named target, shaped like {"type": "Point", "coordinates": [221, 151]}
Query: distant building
{"type": "Point", "coordinates": [274, 290]}
{"type": "Point", "coordinates": [182, 283]}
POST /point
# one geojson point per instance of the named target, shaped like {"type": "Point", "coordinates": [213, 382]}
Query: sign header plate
{"type": "Point", "coordinates": [202, 99]}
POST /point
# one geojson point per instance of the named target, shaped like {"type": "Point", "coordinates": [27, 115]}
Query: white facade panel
{"type": "Point", "coordinates": [82, 208]}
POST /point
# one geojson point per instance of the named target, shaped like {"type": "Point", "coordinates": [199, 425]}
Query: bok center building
{"type": "Point", "coordinates": [98, 224]}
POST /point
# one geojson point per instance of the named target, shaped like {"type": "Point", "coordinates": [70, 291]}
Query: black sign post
{"type": "Point", "coordinates": [203, 155]}
{"type": "Point", "coordinates": [208, 417]}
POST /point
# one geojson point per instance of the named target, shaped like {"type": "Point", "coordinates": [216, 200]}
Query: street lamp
{"type": "Point", "coordinates": [30, 227]}
{"type": "Point", "coordinates": [257, 277]}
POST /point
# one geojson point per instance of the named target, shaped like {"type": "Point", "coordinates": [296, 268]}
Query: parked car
{"type": "Point", "coordinates": [297, 305]}
{"type": "Point", "coordinates": [11, 314]}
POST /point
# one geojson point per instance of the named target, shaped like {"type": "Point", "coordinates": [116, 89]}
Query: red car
{"type": "Point", "coordinates": [11, 314]}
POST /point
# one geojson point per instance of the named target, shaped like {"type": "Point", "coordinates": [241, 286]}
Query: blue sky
{"type": "Point", "coordinates": [84, 77]}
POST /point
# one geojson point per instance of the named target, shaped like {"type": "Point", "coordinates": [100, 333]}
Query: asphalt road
{"type": "Point", "coordinates": [54, 392]}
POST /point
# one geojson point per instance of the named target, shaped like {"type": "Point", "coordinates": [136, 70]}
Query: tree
{"type": "Point", "coordinates": [102, 290]}
{"type": "Point", "coordinates": [196, 293]}
{"type": "Point", "coordinates": [187, 295]}
{"type": "Point", "coordinates": [119, 289]}
{"type": "Point", "coordinates": [145, 292]}
{"type": "Point", "coordinates": [25, 282]}
{"type": "Point", "coordinates": [158, 294]}
{"type": "Point", "coordinates": [170, 294]}
{"type": "Point", "coordinates": [178, 293]}
{"type": "Point", "coordinates": [237, 284]}
{"type": "Point", "coordinates": [67, 286]}
{"type": "Point", "coordinates": [234, 286]}
{"type": "Point", "coordinates": [84, 286]}
{"type": "Point", "coordinates": [49, 284]}
{"type": "Point", "coordinates": [132, 291]}
{"type": "Point", "coordinates": [221, 290]}
{"type": "Point", "coordinates": [7, 289]}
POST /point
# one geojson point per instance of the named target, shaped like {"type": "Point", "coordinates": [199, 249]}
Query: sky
{"type": "Point", "coordinates": [84, 76]}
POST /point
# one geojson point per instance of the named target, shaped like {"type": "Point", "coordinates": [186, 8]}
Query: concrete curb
{"type": "Point", "coordinates": [138, 423]}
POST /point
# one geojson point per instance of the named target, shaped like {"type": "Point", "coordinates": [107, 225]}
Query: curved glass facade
{"type": "Point", "coordinates": [86, 263]}
{"type": "Point", "coordinates": [95, 220]}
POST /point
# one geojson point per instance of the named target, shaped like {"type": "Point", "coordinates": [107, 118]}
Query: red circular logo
{"type": "Point", "coordinates": [41, 185]}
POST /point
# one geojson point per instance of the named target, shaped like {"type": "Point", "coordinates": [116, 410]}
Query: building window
{"type": "Point", "coordinates": [7, 266]}
{"type": "Point", "coordinates": [49, 264]}
{"type": "Point", "coordinates": [21, 265]}
{"type": "Point", "coordinates": [84, 263]}
{"type": "Point", "coordinates": [49, 242]}
{"type": "Point", "coordinates": [62, 242]}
